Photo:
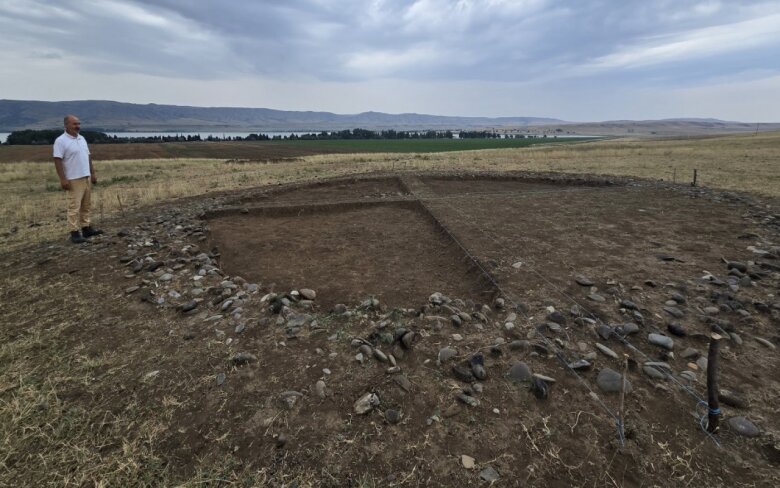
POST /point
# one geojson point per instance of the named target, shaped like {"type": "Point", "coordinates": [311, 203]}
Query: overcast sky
{"type": "Point", "coordinates": [580, 60]}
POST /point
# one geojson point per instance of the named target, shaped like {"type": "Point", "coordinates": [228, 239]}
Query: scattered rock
{"type": "Point", "coordinates": [661, 340]}
{"type": "Point", "coordinates": [489, 474]}
{"type": "Point", "coordinates": [596, 297]}
{"type": "Point", "coordinates": [609, 381]}
{"type": "Point", "coordinates": [319, 388]}
{"type": "Point", "coordinates": [366, 403]}
{"type": "Point", "coordinates": [462, 373]}
{"type": "Point", "coordinates": [732, 399]}
{"type": "Point", "coordinates": [447, 353]}
{"type": "Point", "coordinates": [467, 461]}
{"type": "Point", "coordinates": [674, 312]}
{"type": "Point", "coordinates": [579, 364]}
{"type": "Point", "coordinates": [467, 399]}
{"type": "Point", "coordinates": [477, 362]}
{"type": "Point", "coordinates": [243, 358]}
{"type": "Point", "coordinates": [392, 416]}
{"type": "Point", "coordinates": [583, 280]}
{"type": "Point", "coordinates": [308, 294]}
{"type": "Point", "coordinates": [520, 373]}
{"type": "Point", "coordinates": [607, 351]}
{"type": "Point", "coordinates": [765, 343]}
{"type": "Point", "coordinates": [743, 426]}
{"type": "Point", "coordinates": [539, 388]}
{"type": "Point", "coordinates": [676, 329]}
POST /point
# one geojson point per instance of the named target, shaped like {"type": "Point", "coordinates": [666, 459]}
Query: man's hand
{"type": "Point", "coordinates": [93, 179]}
{"type": "Point", "coordinates": [65, 184]}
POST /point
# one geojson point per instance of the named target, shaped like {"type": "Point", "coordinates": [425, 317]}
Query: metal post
{"type": "Point", "coordinates": [712, 384]}
{"type": "Point", "coordinates": [695, 174]}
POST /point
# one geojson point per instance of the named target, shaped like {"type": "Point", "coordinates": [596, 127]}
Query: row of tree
{"type": "Point", "coordinates": [43, 137]}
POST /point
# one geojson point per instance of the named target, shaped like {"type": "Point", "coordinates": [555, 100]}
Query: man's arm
{"type": "Point", "coordinates": [64, 183]}
{"type": "Point", "coordinates": [92, 175]}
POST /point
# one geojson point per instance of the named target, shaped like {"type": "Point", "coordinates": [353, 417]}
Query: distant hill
{"type": "Point", "coordinates": [664, 127]}
{"type": "Point", "coordinates": [117, 116]}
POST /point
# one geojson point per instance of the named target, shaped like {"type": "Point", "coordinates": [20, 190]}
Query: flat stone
{"type": "Point", "coordinates": [596, 297]}
{"type": "Point", "coordinates": [489, 474]}
{"type": "Point", "coordinates": [607, 351]}
{"type": "Point", "coordinates": [583, 280]}
{"type": "Point", "coordinates": [307, 293]}
{"type": "Point", "coordinates": [743, 426]}
{"type": "Point", "coordinates": [765, 342]}
{"type": "Point", "coordinates": [447, 353]}
{"type": "Point", "coordinates": [520, 373]}
{"type": "Point", "coordinates": [462, 373]}
{"type": "Point", "coordinates": [661, 340]}
{"type": "Point", "coordinates": [628, 329]}
{"type": "Point", "coordinates": [732, 399]}
{"type": "Point", "coordinates": [604, 331]}
{"type": "Point", "coordinates": [403, 382]}
{"type": "Point", "coordinates": [690, 353]}
{"type": "Point", "coordinates": [580, 364]}
{"type": "Point", "coordinates": [674, 312]}
{"type": "Point", "coordinates": [653, 372]}
{"type": "Point", "coordinates": [609, 381]}
{"type": "Point", "coordinates": [519, 345]}
{"type": "Point", "coordinates": [366, 403]}
{"type": "Point", "coordinates": [467, 461]}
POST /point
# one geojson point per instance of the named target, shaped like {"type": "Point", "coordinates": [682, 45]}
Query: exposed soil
{"type": "Point", "coordinates": [390, 251]}
{"type": "Point", "coordinates": [141, 380]}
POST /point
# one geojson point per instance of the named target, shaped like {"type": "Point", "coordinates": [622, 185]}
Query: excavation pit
{"type": "Point", "coordinates": [394, 251]}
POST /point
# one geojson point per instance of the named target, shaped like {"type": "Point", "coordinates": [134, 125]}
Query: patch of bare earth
{"type": "Point", "coordinates": [187, 349]}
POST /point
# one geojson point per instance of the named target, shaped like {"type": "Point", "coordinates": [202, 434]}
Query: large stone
{"type": "Point", "coordinates": [307, 293]}
{"type": "Point", "coordinates": [661, 340]}
{"type": "Point", "coordinates": [609, 381]}
{"type": "Point", "coordinates": [447, 353]}
{"type": "Point", "coordinates": [743, 426]}
{"type": "Point", "coordinates": [606, 351]}
{"type": "Point", "coordinates": [520, 373]}
{"type": "Point", "coordinates": [366, 403]}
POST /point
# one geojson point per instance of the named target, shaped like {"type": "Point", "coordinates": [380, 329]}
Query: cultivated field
{"type": "Point", "coordinates": [442, 319]}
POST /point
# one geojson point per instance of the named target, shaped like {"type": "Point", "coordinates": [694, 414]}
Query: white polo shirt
{"type": "Point", "coordinates": [75, 155]}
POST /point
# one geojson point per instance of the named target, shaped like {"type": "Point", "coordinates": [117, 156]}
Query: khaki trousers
{"type": "Point", "coordinates": [79, 203]}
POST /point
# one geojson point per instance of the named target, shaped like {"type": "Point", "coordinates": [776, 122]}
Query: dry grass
{"type": "Point", "coordinates": [34, 206]}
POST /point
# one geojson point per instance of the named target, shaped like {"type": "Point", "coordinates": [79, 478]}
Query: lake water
{"type": "Point", "coordinates": [203, 135]}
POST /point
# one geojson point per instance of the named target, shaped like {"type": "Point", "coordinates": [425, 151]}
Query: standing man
{"type": "Point", "coordinates": [74, 167]}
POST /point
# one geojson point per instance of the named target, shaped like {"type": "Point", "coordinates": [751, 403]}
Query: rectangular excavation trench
{"type": "Point", "coordinates": [395, 251]}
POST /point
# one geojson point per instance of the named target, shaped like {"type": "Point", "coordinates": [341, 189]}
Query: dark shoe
{"type": "Point", "coordinates": [75, 237]}
{"type": "Point", "coordinates": [88, 232]}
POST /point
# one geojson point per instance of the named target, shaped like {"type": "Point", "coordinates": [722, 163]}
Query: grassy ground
{"type": "Point", "coordinates": [34, 206]}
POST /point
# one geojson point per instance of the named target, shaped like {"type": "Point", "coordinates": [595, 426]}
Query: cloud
{"type": "Point", "coordinates": [506, 57]}
{"type": "Point", "coordinates": [695, 44]}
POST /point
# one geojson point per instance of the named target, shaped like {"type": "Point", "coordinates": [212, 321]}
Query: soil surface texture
{"type": "Point", "coordinates": [400, 330]}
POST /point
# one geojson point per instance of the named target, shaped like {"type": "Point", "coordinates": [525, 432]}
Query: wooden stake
{"type": "Point", "coordinates": [621, 414]}
{"type": "Point", "coordinates": [121, 207]}
{"type": "Point", "coordinates": [713, 415]}
{"type": "Point", "coordinates": [695, 175]}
